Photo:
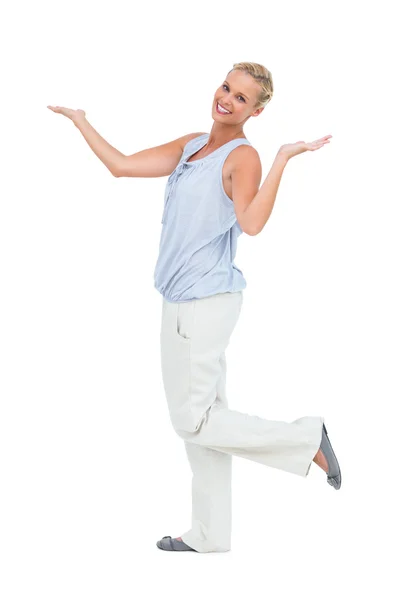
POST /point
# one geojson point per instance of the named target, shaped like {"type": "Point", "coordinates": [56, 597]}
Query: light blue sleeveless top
{"type": "Point", "coordinates": [199, 228]}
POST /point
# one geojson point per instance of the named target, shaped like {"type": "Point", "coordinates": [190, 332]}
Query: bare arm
{"type": "Point", "coordinates": [253, 206]}
{"type": "Point", "coordinates": [110, 156]}
{"type": "Point", "coordinates": [245, 178]}
{"type": "Point", "coordinates": [152, 162]}
{"type": "Point", "coordinates": [258, 211]}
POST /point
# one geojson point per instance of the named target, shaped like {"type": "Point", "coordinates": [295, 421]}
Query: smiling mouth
{"type": "Point", "coordinates": [221, 112]}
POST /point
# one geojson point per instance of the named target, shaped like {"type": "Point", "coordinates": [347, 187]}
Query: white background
{"type": "Point", "coordinates": [91, 472]}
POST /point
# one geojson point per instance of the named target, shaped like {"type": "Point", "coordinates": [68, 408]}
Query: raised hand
{"type": "Point", "coordinates": [72, 114]}
{"type": "Point", "coordinates": [290, 150]}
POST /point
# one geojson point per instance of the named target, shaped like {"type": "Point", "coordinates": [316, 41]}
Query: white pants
{"type": "Point", "coordinates": [194, 337]}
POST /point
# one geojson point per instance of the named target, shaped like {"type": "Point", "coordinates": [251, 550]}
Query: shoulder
{"type": "Point", "coordinates": [244, 157]}
{"type": "Point", "coordinates": [185, 139]}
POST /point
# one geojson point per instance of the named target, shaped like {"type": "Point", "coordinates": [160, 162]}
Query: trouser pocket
{"type": "Point", "coordinates": [194, 336]}
{"type": "Point", "coordinates": [176, 339]}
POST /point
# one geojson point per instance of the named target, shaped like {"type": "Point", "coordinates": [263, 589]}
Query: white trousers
{"type": "Point", "coordinates": [194, 337]}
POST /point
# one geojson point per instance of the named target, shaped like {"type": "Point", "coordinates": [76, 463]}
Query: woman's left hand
{"type": "Point", "coordinates": [290, 150]}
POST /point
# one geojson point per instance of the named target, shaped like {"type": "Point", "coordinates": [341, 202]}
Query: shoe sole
{"type": "Point", "coordinates": [174, 545]}
{"type": "Point", "coordinates": [333, 464]}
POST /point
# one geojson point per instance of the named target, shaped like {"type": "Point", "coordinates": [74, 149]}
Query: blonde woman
{"type": "Point", "coordinates": [213, 195]}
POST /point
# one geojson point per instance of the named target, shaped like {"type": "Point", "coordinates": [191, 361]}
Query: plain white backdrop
{"type": "Point", "coordinates": [91, 471]}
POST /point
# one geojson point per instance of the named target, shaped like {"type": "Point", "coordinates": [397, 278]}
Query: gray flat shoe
{"type": "Point", "coordinates": [169, 543]}
{"type": "Point", "coordinates": [334, 476]}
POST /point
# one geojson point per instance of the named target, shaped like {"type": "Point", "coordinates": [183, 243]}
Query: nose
{"type": "Point", "coordinates": [227, 102]}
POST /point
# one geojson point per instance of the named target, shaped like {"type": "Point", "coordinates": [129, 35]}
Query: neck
{"type": "Point", "coordinates": [221, 134]}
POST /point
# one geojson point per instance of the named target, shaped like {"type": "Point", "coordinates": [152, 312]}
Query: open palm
{"type": "Point", "coordinates": [290, 150]}
{"type": "Point", "coordinates": [68, 112]}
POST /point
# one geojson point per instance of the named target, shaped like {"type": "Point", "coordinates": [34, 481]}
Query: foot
{"type": "Point", "coordinates": [321, 461]}
{"type": "Point", "coordinates": [169, 543]}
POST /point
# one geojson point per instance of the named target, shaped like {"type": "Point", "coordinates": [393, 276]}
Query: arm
{"type": "Point", "coordinates": [258, 210]}
{"type": "Point", "coordinates": [152, 162]}
{"type": "Point", "coordinates": [110, 156]}
{"type": "Point", "coordinates": [253, 206]}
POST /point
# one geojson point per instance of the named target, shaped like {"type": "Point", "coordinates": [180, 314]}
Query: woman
{"type": "Point", "coordinates": [212, 196]}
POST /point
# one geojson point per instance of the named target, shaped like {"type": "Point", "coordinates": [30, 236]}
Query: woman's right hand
{"type": "Point", "coordinates": [74, 115]}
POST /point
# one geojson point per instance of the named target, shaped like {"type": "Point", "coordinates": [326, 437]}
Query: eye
{"type": "Point", "coordinates": [225, 86]}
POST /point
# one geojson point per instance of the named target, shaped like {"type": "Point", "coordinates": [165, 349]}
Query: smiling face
{"type": "Point", "coordinates": [239, 95]}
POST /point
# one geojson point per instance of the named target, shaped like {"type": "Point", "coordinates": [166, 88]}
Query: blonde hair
{"type": "Point", "coordinates": [263, 78]}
